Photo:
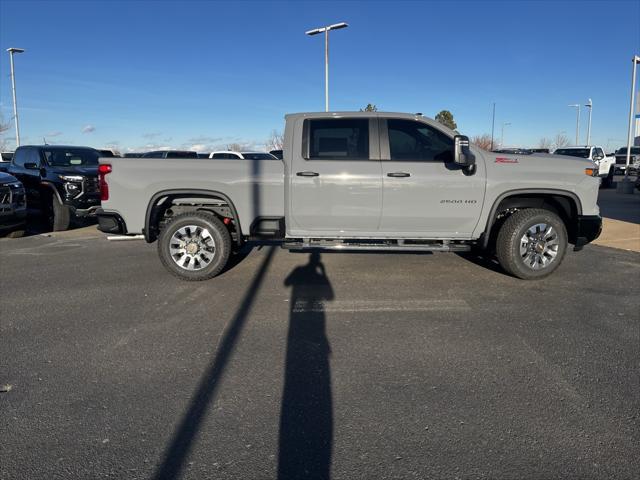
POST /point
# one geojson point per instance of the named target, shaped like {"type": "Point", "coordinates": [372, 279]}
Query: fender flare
{"type": "Point", "coordinates": [53, 188]}
{"type": "Point", "coordinates": [524, 191]}
{"type": "Point", "coordinates": [188, 191]}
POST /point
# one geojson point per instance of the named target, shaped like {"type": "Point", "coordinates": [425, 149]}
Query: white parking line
{"type": "Point", "coordinates": [346, 306]}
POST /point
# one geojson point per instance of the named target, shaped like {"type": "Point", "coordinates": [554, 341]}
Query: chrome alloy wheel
{"type": "Point", "coordinates": [539, 246]}
{"type": "Point", "coordinates": [192, 247]}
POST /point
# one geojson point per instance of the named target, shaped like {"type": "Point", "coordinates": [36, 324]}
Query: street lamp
{"type": "Point", "coordinates": [626, 186]}
{"type": "Point", "coordinates": [326, 30]}
{"type": "Point", "coordinates": [577, 105]}
{"type": "Point", "coordinates": [504, 124]}
{"type": "Point", "coordinates": [590, 107]}
{"type": "Point", "coordinates": [13, 87]}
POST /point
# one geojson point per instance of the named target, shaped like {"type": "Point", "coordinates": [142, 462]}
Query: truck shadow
{"type": "Point", "coordinates": [306, 417]}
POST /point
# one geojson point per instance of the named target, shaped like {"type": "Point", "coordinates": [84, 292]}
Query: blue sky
{"type": "Point", "coordinates": [204, 74]}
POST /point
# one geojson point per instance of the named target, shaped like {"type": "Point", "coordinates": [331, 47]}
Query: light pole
{"type": "Point", "coordinates": [326, 30]}
{"type": "Point", "coordinates": [504, 124]}
{"type": "Point", "coordinates": [493, 122]}
{"type": "Point", "coordinates": [627, 187]}
{"type": "Point", "coordinates": [13, 87]}
{"type": "Point", "coordinates": [590, 107]}
{"type": "Point", "coordinates": [577, 105]}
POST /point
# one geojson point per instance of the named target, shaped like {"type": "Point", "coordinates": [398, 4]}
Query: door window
{"type": "Point", "coordinates": [338, 139]}
{"type": "Point", "coordinates": [20, 157]}
{"type": "Point", "coordinates": [410, 140]}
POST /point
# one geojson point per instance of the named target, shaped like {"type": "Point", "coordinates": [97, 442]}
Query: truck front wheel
{"type": "Point", "coordinates": [531, 243]}
{"type": "Point", "coordinates": [194, 246]}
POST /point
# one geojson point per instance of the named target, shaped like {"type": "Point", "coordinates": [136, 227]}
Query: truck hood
{"type": "Point", "coordinates": [5, 179]}
{"type": "Point", "coordinates": [76, 170]}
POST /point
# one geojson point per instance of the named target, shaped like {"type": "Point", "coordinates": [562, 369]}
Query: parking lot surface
{"type": "Point", "coordinates": [339, 366]}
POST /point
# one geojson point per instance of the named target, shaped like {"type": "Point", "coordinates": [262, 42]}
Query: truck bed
{"type": "Point", "coordinates": [256, 186]}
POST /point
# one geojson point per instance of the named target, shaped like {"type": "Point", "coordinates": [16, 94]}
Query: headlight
{"type": "Point", "coordinates": [71, 178]}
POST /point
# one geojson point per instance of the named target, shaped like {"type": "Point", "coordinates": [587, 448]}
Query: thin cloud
{"type": "Point", "coordinates": [205, 139]}
{"type": "Point", "coordinates": [88, 129]}
{"type": "Point", "coordinates": [55, 133]}
{"type": "Point", "coordinates": [151, 134]}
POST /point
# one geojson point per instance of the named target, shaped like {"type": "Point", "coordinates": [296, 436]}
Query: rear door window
{"type": "Point", "coordinates": [337, 139]}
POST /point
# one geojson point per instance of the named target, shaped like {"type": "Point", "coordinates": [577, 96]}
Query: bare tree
{"type": "Point", "coordinates": [544, 142]}
{"type": "Point", "coordinates": [275, 141]}
{"type": "Point", "coordinates": [237, 147]}
{"type": "Point", "coordinates": [4, 127]}
{"type": "Point", "coordinates": [560, 140]}
{"type": "Point", "coordinates": [483, 141]}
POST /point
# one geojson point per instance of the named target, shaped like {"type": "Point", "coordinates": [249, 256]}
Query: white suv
{"type": "Point", "coordinates": [606, 164]}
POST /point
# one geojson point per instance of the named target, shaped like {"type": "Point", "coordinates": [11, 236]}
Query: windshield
{"type": "Point", "coordinates": [623, 151]}
{"type": "Point", "coordinates": [71, 157]}
{"type": "Point", "coordinates": [574, 152]}
{"type": "Point", "coordinates": [258, 156]}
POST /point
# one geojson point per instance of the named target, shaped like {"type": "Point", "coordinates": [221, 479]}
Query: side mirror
{"type": "Point", "coordinates": [31, 166]}
{"type": "Point", "coordinates": [462, 153]}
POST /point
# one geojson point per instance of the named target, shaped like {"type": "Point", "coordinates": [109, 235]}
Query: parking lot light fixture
{"type": "Point", "coordinates": [577, 105]}
{"type": "Point", "coordinates": [504, 124]}
{"type": "Point", "coordinates": [325, 30]}
{"type": "Point", "coordinates": [13, 51]}
{"type": "Point", "coordinates": [627, 187]}
{"type": "Point", "coordinates": [590, 107]}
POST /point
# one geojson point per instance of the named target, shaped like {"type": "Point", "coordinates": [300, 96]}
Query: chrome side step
{"type": "Point", "coordinates": [387, 245]}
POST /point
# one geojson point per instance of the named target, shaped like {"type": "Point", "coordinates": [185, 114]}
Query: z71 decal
{"type": "Point", "coordinates": [506, 160]}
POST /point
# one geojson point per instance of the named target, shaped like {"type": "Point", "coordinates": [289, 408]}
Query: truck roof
{"type": "Point", "coordinates": [400, 115]}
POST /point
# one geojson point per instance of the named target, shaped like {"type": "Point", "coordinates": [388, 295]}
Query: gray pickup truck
{"type": "Point", "coordinates": [357, 181]}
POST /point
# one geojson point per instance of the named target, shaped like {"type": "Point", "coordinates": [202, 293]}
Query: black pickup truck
{"type": "Point", "coordinates": [62, 181]}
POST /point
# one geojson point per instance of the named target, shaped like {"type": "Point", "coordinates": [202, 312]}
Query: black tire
{"type": "Point", "coordinates": [221, 246]}
{"type": "Point", "coordinates": [515, 228]}
{"type": "Point", "coordinates": [60, 215]}
{"type": "Point", "coordinates": [607, 182]}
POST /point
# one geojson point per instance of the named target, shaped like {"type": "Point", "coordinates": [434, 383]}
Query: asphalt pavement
{"type": "Point", "coordinates": [343, 366]}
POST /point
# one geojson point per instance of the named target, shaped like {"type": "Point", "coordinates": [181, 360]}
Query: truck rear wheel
{"type": "Point", "coordinates": [194, 246]}
{"type": "Point", "coordinates": [531, 243]}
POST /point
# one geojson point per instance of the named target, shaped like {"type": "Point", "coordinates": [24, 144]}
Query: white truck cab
{"type": "Point", "coordinates": [606, 164]}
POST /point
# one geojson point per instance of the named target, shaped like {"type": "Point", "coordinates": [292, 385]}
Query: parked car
{"type": "Point", "coordinates": [107, 153]}
{"type": "Point", "coordinates": [13, 206]}
{"type": "Point", "coordinates": [5, 161]}
{"type": "Point", "coordinates": [634, 160]}
{"type": "Point", "coordinates": [230, 155]}
{"type": "Point", "coordinates": [277, 153]}
{"type": "Point", "coordinates": [61, 181]}
{"type": "Point", "coordinates": [539, 150]}
{"type": "Point", "coordinates": [358, 181]}
{"type": "Point", "coordinates": [170, 154]}
{"type": "Point", "coordinates": [513, 151]}
{"type": "Point", "coordinates": [203, 155]}
{"type": "Point", "coordinates": [606, 165]}
{"type": "Point", "coordinates": [132, 155]}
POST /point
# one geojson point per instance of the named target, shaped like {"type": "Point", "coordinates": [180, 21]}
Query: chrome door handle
{"type": "Point", "coordinates": [398, 174]}
{"type": "Point", "coordinates": [307, 174]}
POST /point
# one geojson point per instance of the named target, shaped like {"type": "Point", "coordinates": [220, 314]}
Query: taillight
{"type": "Point", "coordinates": [103, 170]}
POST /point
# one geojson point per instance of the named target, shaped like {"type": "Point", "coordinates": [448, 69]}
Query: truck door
{"type": "Point", "coordinates": [335, 184]}
{"type": "Point", "coordinates": [424, 193]}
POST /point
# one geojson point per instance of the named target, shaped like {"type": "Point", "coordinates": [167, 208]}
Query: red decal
{"type": "Point", "coordinates": [506, 160]}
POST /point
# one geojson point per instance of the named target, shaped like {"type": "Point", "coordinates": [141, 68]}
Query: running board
{"type": "Point", "coordinates": [387, 245]}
